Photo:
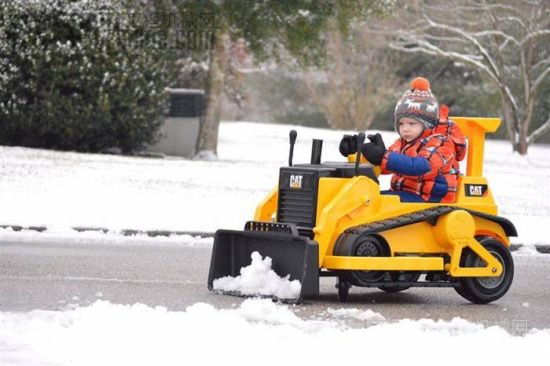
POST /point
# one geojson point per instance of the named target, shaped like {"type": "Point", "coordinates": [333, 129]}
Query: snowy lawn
{"type": "Point", "coordinates": [258, 332]}
{"type": "Point", "coordinates": [60, 190]}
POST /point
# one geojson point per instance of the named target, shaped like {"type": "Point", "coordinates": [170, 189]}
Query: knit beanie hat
{"type": "Point", "coordinates": [418, 103]}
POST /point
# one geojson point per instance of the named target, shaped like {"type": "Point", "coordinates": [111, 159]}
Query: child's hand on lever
{"type": "Point", "coordinates": [348, 145]}
{"type": "Point", "coordinates": [374, 150]}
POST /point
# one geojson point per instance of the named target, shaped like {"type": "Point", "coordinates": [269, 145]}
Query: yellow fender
{"type": "Point", "coordinates": [456, 231]}
{"type": "Point", "coordinates": [353, 195]}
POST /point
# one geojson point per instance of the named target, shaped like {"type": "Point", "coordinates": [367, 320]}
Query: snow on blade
{"type": "Point", "coordinates": [259, 332]}
{"type": "Point", "coordinates": [258, 279]}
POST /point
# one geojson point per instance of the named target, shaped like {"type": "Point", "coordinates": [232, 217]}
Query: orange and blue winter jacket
{"type": "Point", "coordinates": [427, 166]}
{"type": "Point", "coordinates": [450, 129]}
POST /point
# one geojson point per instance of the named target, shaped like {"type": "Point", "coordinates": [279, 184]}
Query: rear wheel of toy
{"type": "Point", "coordinates": [482, 290]}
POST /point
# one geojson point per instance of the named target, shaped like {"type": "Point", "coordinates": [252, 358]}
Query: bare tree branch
{"type": "Point", "coordinates": [545, 127]}
{"type": "Point", "coordinates": [471, 59]}
{"type": "Point", "coordinates": [540, 33]}
{"type": "Point", "coordinates": [539, 80]}
{"type": "Point", "coordinates": [546, 61]}
{"type": "Point", "coordinates": [444, 39]}
{"type": "Point", "coordinates": [485, 6]}
{"type": "Point", "coordinates": [470, 38]}
{"type": "Point", "coordinates": [514, 20]}
{"type": "Point", "coordinates": [505, 40]}
{"type": "Point", "coordinates": [507, 37]}
{"type": "Point", "coordinates": [356, 82]}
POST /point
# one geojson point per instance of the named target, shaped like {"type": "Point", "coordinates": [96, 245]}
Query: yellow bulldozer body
{"type": "Point", "coordinates": [344, 203]}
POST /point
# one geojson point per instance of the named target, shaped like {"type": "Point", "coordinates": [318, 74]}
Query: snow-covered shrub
{"type": "Point", "coordinates": [79, 75]}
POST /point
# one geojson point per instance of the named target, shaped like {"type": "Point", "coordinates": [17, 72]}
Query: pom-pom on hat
{"type": "Point", "coordinates": [418, 103]}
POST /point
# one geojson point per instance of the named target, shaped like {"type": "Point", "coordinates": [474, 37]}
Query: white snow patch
{"type": "Point", "coordinates": [529, 231]}
{"type": "Point", "coordinates": [206, 155]}
{"type": "Point", "coordinates": [266, 311]}
{"type": "Point", "coordinates": [525, 304]}
{"type": "Point", "coordinates": [366, 315]}
{"type": "Point", "coordinates": [258, 332]}
{"type": "Point", "coordinates": [259, 279]}
{"type": "Point", "coordinates": [526, 250]}
{"type": "Point", "coordinates": [62, 235]}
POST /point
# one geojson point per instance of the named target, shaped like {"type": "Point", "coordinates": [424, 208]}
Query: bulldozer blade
{"type": "Point", "coordinates": [292, 255]}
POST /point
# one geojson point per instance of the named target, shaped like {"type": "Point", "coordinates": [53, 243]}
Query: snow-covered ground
{"type": "Point", "coordinates": [61, 190]}
{"type": "Point", "coordinates": [258, 332]}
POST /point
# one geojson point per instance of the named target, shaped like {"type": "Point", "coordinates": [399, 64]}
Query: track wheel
{"type": "Point", "coordinates": [369, 246]}
{"type": "Point", "coordinates": [343, 287]}
{"type": "Point", "coordinates": [482, 290]}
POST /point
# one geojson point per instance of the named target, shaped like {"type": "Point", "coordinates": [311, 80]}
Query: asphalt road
{"type": "Point", "coordinates": [52, 276]}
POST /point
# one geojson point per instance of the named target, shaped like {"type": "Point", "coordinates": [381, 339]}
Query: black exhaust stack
{"type": "Point", "coordinates": [292, 135]}
{"type": "Point", "coordinates": [360, 140]}
{"type": "Point", "coordinates": [316, 149]}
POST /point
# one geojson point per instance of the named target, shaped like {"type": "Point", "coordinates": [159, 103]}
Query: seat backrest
{"type": "Point", "coordinates": [475, 128]}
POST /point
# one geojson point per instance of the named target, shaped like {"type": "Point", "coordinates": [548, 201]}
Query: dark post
{"type": "Point", "coordinates": [316, 149]}
{"type": "Point", "coordinates": [360, 140]}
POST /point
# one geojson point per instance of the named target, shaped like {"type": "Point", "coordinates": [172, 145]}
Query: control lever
{"type": "Point", "coordinates": [292, 135]}
{"type": "Point", "coordinates": [360, 140]}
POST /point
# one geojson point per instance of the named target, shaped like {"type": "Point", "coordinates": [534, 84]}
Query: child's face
{"type": "Point", "coordinates": [409, 128]}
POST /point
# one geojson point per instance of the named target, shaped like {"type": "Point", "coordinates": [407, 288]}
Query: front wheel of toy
{"type": "Point", "coordinates": [483, 290]}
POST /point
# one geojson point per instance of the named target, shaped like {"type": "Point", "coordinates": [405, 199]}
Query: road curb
{"type": "Point", "coordinates": [125, 232]}
{"type": "Point", "coordinates": [543, 249]}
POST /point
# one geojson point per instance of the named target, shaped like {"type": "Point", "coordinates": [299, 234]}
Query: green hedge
{"type": "Point", "coordinates": [78, 75]}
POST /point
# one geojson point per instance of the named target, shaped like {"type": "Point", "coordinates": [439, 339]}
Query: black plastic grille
{"type": "Point", "coordinates": [297, 207]}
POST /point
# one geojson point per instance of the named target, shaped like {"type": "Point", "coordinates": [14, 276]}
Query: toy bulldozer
{"type": "Point", "coordinates": [330, 219]}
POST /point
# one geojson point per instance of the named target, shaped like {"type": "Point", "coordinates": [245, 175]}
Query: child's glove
{"type": "Point", "coordinates": [374, 150]}
{"type": "Point", "coordinates": [348, 145]}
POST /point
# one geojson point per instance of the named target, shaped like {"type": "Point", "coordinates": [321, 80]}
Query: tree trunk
{"type": "Point", "coordinates": [509, 121]}
{"type": "Point", "coordinates": [207, 143]}
{"type": "Point", "coordinates": [523, 144]}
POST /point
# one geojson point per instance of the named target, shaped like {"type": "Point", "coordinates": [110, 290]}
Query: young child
{"type": "Point", "coordinates": [424, 159]}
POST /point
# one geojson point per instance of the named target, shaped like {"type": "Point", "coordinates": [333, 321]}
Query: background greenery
{"type": "Point", "coordinates": [78, 75]}
{"type": "Point", "coordinates": [73, 80]}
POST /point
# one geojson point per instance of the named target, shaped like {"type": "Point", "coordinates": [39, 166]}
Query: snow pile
{"type": "Point", "coordinates": [268, 312]}
{"type": "Point", "coordinates": [259, 279]}
{"type": "Point", "coordinates": [366, 315]}
{"type": "Point", "coordinates": [258, 332]}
